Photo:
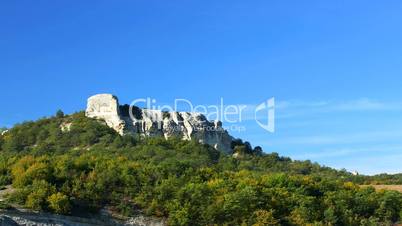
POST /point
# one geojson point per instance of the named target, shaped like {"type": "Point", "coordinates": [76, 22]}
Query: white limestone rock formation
{"type": "Point", "coordinates": [105, 107]}
{"type": "Point", "coordinates": [4, 132]}
{"type": "Point", "coordinates": [146, 122]}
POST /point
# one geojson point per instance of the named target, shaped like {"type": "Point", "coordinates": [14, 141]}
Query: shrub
{"type": "Point", "coordinates": [59, 203]}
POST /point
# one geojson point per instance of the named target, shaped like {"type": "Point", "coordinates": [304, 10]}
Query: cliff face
{"type": "Point", "coordinates": [146, 122]}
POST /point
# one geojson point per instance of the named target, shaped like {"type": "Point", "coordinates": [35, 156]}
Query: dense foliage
{"type": "Point", "coordinates": [71, 163]}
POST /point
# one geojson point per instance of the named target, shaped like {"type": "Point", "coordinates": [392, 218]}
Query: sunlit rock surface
{"type": "Point", "coordinates": [147, 122]}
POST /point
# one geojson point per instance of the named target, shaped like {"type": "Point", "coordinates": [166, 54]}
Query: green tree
{"type": "Point", "coordinates": [264, 218]}
{"type": "Point", "coordinates": [59, 114]}
{"type": "Point", "coordinates": [59, 203]}
{"type": "Point", "coordinates": [37, 199]}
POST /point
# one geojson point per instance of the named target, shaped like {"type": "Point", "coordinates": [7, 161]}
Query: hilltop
{"type": "Point", "coordinates": [70, 164]}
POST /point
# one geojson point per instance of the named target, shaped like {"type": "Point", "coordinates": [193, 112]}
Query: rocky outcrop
{"type": "Point", "coordinates": [65, 126]}
{"type": "Point", "coordinates": [105, 107]}
{"type": "Point", "coordinates": [147, 122]}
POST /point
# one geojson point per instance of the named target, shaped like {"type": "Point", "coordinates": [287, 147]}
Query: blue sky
{"type": "Point", "coordinates": [334, 67]}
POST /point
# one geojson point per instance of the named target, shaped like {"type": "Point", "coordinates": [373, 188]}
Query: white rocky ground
{"type": "Point", "coordinates": [27, 218]}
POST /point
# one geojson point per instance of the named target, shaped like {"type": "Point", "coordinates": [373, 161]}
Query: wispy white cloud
{"type": "Point", "coordinates": [383, 162]}
{"type": "Point", "coordinates": [364, 105]}
{"type": "Point", "coordinates": [367, 160]}
{"type": "Point", "coordinates": [295, 108]}
{"type": "Point", "coordinates": [347, 151]}
{"type": "Point", "coordinates": [341, 138]}
{"type": "Point", "coordinates": [298, 103]}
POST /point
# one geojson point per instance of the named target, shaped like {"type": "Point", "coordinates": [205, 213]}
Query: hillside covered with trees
{"type": "Point", "coordinates": [69, 164]}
